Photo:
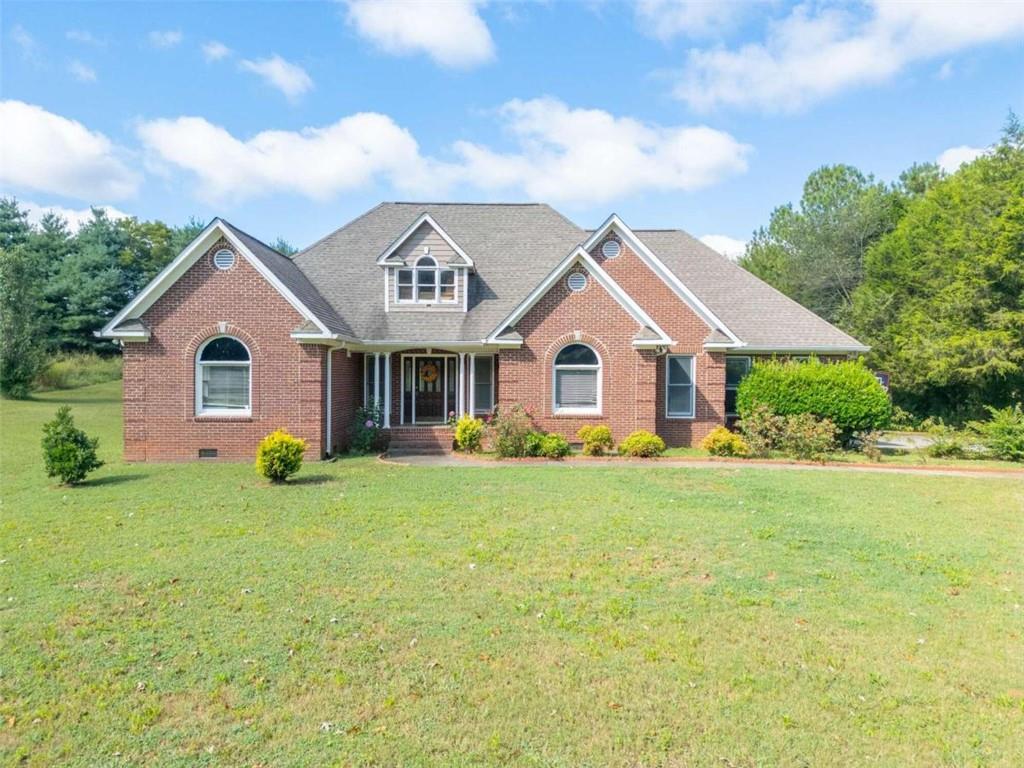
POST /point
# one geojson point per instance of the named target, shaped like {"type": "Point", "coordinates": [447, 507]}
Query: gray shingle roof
{"type": "Point", "coordinates": [761, 316]}
{"type": "Point", "coordinates": [514, 247]}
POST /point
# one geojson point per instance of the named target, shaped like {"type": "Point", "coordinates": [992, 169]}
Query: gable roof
{"type": "Point", "coordinates": [650, 334]}
{"type": "Point", "coordinates": [763, 318]}
{"type": "Point", "coordinates": [427, 219]}
{"type": "Point", "coordinates": [278, 270]}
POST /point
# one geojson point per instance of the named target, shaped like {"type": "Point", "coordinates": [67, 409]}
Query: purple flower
{"type": "Point", "coordinates": [451, 413]}
{"type": "Point", "coordinates": [369, 423]}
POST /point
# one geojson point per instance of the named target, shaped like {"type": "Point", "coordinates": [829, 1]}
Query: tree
{"type": "Point", "coordinates": [815, 253]}
{"type": "Point", "coordinates": [24, 344]}
{"type": "Point", "coordinates": [14, 227]}
{"type": "Point", "coordinates": [283, 246]}
{"type": "Point", "coordinates": [942, 302]}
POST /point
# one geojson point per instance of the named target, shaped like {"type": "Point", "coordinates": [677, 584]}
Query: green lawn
{"type": "Point", "coordinates": [540, 615]}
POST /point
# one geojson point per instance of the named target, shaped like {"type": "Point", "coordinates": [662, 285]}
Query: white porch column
{"type": "Point", "coordinates": [472, 384]}
{"type": "Point", "coordinates": [461, 395]}
{"type": "Point", "coordinates": [376, 380]}
{"type": "Point", "coordinates": [387, 391]}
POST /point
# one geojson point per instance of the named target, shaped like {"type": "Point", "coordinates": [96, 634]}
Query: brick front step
{"type": "Point", "coordinates": [412, 440]}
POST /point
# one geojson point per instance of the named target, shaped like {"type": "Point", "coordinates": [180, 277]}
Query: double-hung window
{"type": "Point", "coordinates": [425, 283]}
{"type": "Point", "coordinates": [223, 378]}
{"type": "Point", "coordinates": [577, 385]}
{"type": "Point", "coordinates": [483, 383]}
{"type": "Point", "coordinates": [736, 368]}
{"type": "Point", "coordinates": [680, 390]}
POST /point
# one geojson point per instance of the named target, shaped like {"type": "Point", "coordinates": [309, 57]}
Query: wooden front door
{"type": "Point", "coordinates": [430, 390]}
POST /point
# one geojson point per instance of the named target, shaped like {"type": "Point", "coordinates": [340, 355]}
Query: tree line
{"type": "Point", "coordinates": [928, 270]}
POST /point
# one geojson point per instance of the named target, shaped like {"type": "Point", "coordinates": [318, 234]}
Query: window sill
{"type": "Point", "coordinates": [679, 418]}
{"type": "Point", "coordinates": [575, 412]}
{"type": "Point", "coordinates": [224, 417]}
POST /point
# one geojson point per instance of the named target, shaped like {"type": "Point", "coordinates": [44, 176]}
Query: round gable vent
{"type": "Point", "coordinates": [611, 249]}
{"type": "Point", "coordinates": [577, 281]}
{"type": "Point", "coordinates": [224, 259]}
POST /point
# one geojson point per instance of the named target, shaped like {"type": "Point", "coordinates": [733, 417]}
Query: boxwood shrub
{"type": "Point", "coordinates": [846, 393]}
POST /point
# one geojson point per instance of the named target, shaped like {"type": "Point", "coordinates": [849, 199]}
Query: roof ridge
{"type": "Point", "coordinates": [252, 237]}
{"type": "Point", "coordinates": [333, 232]}
{"type": "Point", "coordinates": [453, 203]}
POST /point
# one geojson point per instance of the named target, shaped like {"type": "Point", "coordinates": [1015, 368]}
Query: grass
{"type": "Point", "coordinates": [78, 369]}
{"type": "Point", "coordinates": [551, 615]}
{"type": "Point", "coordinates": [912, 458]}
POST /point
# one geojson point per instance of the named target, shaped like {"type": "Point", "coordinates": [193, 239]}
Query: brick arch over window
{"type": "Point", "coordinates": [549, 361]}
{"type": "Point", "coordinates": [256, 370]}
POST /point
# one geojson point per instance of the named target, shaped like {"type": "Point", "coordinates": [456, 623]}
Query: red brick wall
{"type": "Point", "coordinates": [628, 375]}
{"type": "Point", "coordinates": [346, 395]}
{"type": "Point", "coordinates": [288, 378]}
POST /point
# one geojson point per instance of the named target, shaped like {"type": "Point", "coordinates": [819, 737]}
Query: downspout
{"type": "Point", "coordinates": [330, 387]}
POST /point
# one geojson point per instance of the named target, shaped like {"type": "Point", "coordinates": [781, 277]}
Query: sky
{"type": "Point", "coordinates": [290, 119]}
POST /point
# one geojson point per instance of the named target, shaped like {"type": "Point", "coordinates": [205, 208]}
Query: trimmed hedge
{"type": "Point", "coordinates": [846, 393]}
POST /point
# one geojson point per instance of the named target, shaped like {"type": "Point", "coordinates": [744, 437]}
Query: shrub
{"type": "Point", "coordinates": [554, 446]}
{"type": "Point", "coordinates": [903, 420]}
{"type": "Point", "coordinates": [78, 369]}
{"type": "Point", "coordinates": [846, 393]}
{"type": "Point", "coordinates": [597, 439]}
{"type": "Point", "coordinates": [867, 444]}
{"type": "Point", "coordinates": [806, 437]}
{"type": "Point", "coordinates": [279, 456]}
{"type": "Point", "coordinates": [1003, 434]}
{"type": "Point", "coordinates": [469, 434]}
{"type": "Point", "coordinates": [947, 442]}
{"type": "Point", "coordinates": [68, 452]}
{"type": "Point", "coordinates": [534, 443]}
{"type": "Point", "coordinates": [509, 428]}
{"type": "Point", "coordinates": [724, 442]}
{"type": "Point", "coordinates": [642, 444]}
{"type": "Point", "coordinates": [367, 433]}
{"type": "Point", "coordinates": [762, 430]}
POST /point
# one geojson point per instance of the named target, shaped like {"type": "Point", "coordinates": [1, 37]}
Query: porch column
{"type": "Point", "coordinates": [376, 380]}
{"type": "Point", "coordinates": [387, 391]}
{"type": "Point", "coordinates": [472, 384]}
{"type": "Point", "coordinates": [461, 395]}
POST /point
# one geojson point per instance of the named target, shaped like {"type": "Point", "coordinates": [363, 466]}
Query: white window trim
{"type": "Point", "coordinates": [750, 364]}
{"type": "Point", "coordinates": [239, 413]}
{"type": "Point", "coordinates": [555, 368]}
{"type": "Point", "coordinates": [437, 269]}
{"type": "Point", "coordinates": [693, 389]}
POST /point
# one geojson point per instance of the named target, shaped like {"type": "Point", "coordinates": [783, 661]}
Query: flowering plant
{"type": "Point", "coordinates": [367, 433]}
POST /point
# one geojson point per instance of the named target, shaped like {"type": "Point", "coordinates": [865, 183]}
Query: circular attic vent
{"type": "Point", "coordinates": [224, 259]}
{"type": "Point", "coordinates": [611, 249]}
{"type": "Point", "coordinates": [577, 281]}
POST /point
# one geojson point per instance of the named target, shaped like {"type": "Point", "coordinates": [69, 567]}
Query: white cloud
{"type": "Point", "coordinates": [954, 157]}
{"type": "Point", "coordinates": [452, 32]}
{"type": "Point", "coordinates": [314, 162]}
{"type": "Point", "coordinates": [81, 72]}
{"type": "Point", "coordinates": [591, 156]}
{"type": "Point", "coordinates": [945, 71]}
{"type": "Point", "coordinates": [49, 153]}
{"type": "Point", "coordinates": [85, 37]}
{"type": "Point", "coordinates": [26, 43]}
{"type": "Point", "coordinates": [75, 217]}
{"type": "Point", "coordinates": [563, 155]}
{"type": "Point", "coordinates": [214, 50]}
{"type": "Point", "coordinates": [666, 19]}
{"type": "Point", "coordinates": [166, 38]}
{"type": "Point", "coordinates": [729, 247]}
{"type": "Point", "coordinates": [290, 79]}
{"type": "Point", "coordinates": [818, 51]}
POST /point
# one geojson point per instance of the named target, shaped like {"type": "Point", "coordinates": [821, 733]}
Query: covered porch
{"type": "Point", "coordinates": [427, 386]}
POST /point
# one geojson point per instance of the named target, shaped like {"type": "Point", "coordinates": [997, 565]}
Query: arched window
{"type": "Point", "coordinates": [577, 380]}
{"type": "Point", "coordinates": [223, 377]}
{"type": "Point", "coordinates": [425, 283]}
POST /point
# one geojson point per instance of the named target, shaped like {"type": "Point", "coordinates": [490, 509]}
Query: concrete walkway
{"type": "Point", "coordinates": [451, 460]}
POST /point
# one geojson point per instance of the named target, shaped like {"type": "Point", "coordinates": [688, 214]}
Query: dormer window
{"type": "Point", "coordinates": [425, 283]}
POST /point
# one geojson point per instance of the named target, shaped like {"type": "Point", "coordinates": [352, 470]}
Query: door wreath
{"type": "Point", "coordinates": [429, 372]}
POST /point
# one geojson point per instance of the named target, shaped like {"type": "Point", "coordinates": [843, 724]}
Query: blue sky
{"type": "Point", "coordinates": [290, 119]}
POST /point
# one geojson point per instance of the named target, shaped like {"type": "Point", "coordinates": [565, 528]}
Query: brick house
{"type": "Point", "coordinates": [434, 309]}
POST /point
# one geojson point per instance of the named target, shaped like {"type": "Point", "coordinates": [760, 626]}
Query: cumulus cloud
{"type": "Point", "coordinates": [49, 153]}
{"type": "Point", "coordinates": [81, 72]}
{"type": "Point", "coordinates": [452, 33]}
{"type": "Point", "coordinates": [214, 50]}
{"type": "Point", "coordinates": [314, 162]}
{"type": "Point", "coordinates": [667, 19]}
{"type": "Point", "coordinates": [562, 155]}
{"type": "Point", "coordinates": [818, 51]}
{"type": "Point", "coordinates": [75, 217]}
{"type": "Point", "coordinates": [290, 79]}
{"type": "Point", "coordinates": [954, 157]}
{"type": "Point", "coordinates": [729, 247]}
{"type": "Point", "coordinates": [591, 156]}
{"type": "Point", "coordinates": [165, 38]}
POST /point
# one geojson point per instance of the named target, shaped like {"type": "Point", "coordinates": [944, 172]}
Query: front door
{"type": "Point", "coordinates": [428, 401]}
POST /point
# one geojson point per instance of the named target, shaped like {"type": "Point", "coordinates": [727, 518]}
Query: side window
{"type": "Point", "coordinates": [223, 378]}
{"type": "Point", "coordinates": [404, 285]}
{"type": "Point", "coordinates": [736, 368]}
{"type": "Point", "coordinates": [679, 387]}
